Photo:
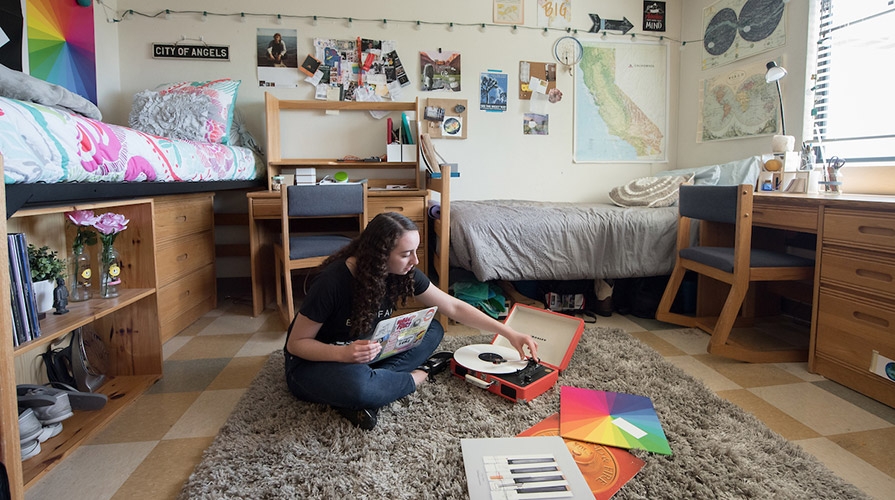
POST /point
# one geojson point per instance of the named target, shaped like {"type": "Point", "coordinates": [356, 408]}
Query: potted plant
{"type": "Point", "coordinates": [45, 266]}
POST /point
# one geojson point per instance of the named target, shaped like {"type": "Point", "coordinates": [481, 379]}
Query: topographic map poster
{"type": "Point", "coordinates": [737, 104]}
{"type": "Point", "coordinates": [621, 103]}
{"type": "Point", "coordinates": [736, 29]}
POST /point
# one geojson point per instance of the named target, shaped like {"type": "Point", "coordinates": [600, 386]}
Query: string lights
{"type": "Point", "coordinates": [280, 18]}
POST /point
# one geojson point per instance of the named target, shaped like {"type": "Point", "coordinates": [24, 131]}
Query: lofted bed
{"type": "Point", "coordinates": [57, 150]}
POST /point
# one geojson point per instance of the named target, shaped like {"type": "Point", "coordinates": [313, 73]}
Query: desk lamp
{"type": "Point", "coordinates": [774, 74]}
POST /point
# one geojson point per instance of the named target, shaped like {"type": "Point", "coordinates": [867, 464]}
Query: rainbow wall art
{"type": "Point", "coordinates": [611, 419]}
{"type": "Point", "coordinates": [61, 45]}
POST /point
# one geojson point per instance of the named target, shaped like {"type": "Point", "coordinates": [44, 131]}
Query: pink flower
{"type": "Point", "coordinates": [110, 224]}
{"type": "Point", "coordinates": [81, 217]}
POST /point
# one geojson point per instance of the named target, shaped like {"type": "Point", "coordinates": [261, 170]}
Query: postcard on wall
{"type": "Point", "coordinates": [493, 91]}
{"type": "Point", "coordinates": [440, 70]}
{"type": "Point", "coordinates": [535, 124]}
{"type": "Point", "coordinates": [554, 13]}
{"type": "Point", "coordinates": [277, 55]}
{"type": "Point", "coordinates": [509, 12]}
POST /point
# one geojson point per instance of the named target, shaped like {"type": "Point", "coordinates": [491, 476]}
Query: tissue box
{"type": "Point", "coordinates": [400, 152]}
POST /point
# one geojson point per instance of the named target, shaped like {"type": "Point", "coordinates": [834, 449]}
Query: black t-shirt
{"type": "Point", "coordinates": [330, 299]}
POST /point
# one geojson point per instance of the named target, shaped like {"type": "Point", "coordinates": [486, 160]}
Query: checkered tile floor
{"type": "Point", "coordinates": [151, 448]}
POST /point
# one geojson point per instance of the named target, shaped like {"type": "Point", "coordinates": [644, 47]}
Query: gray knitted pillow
{"type": "Point", "coordinates": [649, 191]}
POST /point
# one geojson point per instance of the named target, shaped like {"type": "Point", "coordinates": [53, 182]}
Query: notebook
{"type": "Point", "coordinates": [403, 332]}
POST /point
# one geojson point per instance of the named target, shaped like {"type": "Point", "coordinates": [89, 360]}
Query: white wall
{"type": "Point", "coordinates": [791, 56]}
{"type": "Point", "coordinates": [496, 161]}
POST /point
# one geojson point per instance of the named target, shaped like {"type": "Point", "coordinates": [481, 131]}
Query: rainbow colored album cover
{"type": "Point", "coordinates": [611, 419]}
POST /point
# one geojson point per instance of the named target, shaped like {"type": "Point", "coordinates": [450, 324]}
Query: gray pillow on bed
{"type": "Point", "coordinates": [649, 191]}
{"type": "Point", "coordinates": [702, 176]}
{"type": "Point", "coordinates": [18, 85]}
{"type": "Point", "coordinates": [176, 116]}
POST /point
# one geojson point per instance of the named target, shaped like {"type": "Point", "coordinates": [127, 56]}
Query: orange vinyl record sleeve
{"type": "Point", "coordinates": [605, 468]}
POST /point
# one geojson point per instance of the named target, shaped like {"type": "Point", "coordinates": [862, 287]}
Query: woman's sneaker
{"type": "Point", "coordinates": [366, 419]}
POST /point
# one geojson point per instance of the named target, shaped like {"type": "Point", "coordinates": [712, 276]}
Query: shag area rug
{"type": "Point", "coordinates": [274, 446]}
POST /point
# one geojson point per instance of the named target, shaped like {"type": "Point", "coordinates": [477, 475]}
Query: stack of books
{"type": "Point", "coordinates": [25, 324]}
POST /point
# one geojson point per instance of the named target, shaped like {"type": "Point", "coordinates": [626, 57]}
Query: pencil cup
{"type": "Point", "coordinates": [832, 186]}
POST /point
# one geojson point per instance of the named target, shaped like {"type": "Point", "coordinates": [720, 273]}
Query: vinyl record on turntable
{"type": "Point", "coordinates": [489, 358]}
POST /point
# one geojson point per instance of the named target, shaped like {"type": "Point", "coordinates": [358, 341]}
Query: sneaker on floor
{"type": "Point", "coordinates": [366, 419]}
{"type": "Point", "coordinates": [29, 427]}
{"type": "Point", "coordinates": [436, 363]}
{"type": "Point", "coordinates": [30, 449]}
{"type": "Point", "coordinates": [48, 431]}
{"type": "Point", "coordinates": [49, 405]}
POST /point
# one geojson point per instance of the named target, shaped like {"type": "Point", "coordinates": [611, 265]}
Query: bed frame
{"type": "Point", "coordinates": [20, 196]}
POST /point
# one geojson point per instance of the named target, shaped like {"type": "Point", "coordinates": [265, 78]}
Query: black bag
{"type": "Point", "coordinates": [81, 364]}
{"type": "Point", "coordinates": [58, 363]}
{"type": "Point", "coordinates": [570, 297]}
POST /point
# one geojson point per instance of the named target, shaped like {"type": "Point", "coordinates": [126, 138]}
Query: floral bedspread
{"type": "Point", "coordinates": [46, 144]}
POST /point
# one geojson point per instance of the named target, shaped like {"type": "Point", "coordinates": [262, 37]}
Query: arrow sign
{"type": "Point", "coordinates": [609, 24]}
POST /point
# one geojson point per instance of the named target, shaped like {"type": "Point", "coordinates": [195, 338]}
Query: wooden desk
{"type": "Point", "coordinates": [853, 311]}
{"type": "Point", "coordinates": [264, 228]}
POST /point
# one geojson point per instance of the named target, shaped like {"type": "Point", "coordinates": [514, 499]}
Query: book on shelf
{"type": "Point", "coordinates": [25, 321]}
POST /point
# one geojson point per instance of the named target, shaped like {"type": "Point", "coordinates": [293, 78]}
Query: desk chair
{"type": "Point", "coordinates": [308, 249]}
{"type": "Point", "coordinates": [738, 265]}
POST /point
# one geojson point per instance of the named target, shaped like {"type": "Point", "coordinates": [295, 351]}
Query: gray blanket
{"type": "Point", "coordinates": [526, 240]}
{"type": "Point", "coordinates": [17, 85]}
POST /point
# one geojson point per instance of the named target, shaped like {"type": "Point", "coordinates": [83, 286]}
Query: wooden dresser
{"type": "Point", "coordinates": [854, 290]}
{"type": "Point", "coordinates": [184, 226]}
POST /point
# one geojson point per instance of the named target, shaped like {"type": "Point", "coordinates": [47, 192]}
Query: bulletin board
{"type": "Point", "coordinates": [453, 124]}
{"type": "Point", "coordinates": [544, 72]}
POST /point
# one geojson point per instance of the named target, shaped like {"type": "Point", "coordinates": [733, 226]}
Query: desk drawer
{"type": "Point", "coordinates": [412, 207]}
{"type": "Point", "coordinates": [866, 229]}
{"type": "Point", "coordinates": [182, 256]}
{"type": "Point", "coordinates": [266, 208]}
{"type": "Point", "coordinates": [176, 216]}
{"type": "Point", "coordinates": [850, 328]}
{"type": "Point", "coordinates": [874, 273]}
{"type": "Point", "coordinates": [186, 300]}
{"type": "Point", "coordinates": [789, 217]}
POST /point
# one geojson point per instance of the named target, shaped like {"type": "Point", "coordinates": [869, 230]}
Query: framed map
{"type": "Point", "coordinates": [737, 104]}
{"type": "Point", "coordinates": [621, 103]}
{"type": "Point", "coordinates": [736, 29]}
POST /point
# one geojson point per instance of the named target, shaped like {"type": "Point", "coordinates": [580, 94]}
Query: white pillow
{"type": "Point", "coordinates": [649, 191]}
{"type": "Point", "coordinates": [702, 176]}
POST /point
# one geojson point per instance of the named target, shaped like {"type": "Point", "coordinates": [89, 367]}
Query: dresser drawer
{"type": "Point", "coordinates": [781, 215]}
{"type": "Point", "coordinates": [183, 297]}
{"type": "Point", "coordinates": [850, 328]}
{"type": "Point", "coordinates": [176, 216]}
{"type": "Point", "coordinates": [176, 258]}
{"type": "Point", "coordinates": [412, 207]}
{"type": "Point", "coordinates": [870, 272]}
{"type": "Point", "coordinates": [864, 229]}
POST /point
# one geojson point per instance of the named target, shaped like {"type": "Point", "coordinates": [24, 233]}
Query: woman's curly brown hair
{"type": "Point", "coordinates": [374, 283]}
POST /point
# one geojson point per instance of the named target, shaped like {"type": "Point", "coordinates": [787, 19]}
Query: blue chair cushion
{"type": "Point", "coordinates": [303, 247]}
{"type": "Point", "coordinates": [722, 258]}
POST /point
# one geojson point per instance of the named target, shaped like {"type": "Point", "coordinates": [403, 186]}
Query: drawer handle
{"type": "Point", "coordinates": [876, 230]}
{"type": "Point", "coordinates": [869, 318]}
{"type": "Point", "coordinates": [185, 294]}
{"type": "Point", "coordinates": [180, 218]}
{"type": "Point", "coordinates": [394, 209]}
{"type": "Point", "coordinates": [182, 257]}
{"type": "Point", "coordinates": [874, 275]}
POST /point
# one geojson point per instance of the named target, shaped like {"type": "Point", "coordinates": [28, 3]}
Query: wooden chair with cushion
{"type": "Point", "coordinates": [719, 209]}
{"type": "Point", "coordinates": [317, 221]}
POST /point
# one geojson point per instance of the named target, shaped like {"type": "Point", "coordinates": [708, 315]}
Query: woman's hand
{"type": "Point", "coordinates": [362, 351]}
{"type": "Point", "coordinates": [520, 340]}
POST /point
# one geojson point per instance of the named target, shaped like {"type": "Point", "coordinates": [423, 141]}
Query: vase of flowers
{"type": "Point", "coordinates": [80, 268]}
{"type": "Point", "coordinates": [109, 225]}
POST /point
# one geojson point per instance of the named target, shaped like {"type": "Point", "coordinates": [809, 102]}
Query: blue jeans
{"type": "Point", "coordinates": [356, 385]}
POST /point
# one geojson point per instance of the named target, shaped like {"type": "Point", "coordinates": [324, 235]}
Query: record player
{"type": "Point", "coordinates": [497, 368]}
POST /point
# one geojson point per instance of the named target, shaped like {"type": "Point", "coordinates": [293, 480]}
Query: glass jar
{"type": "Point", "coordinates": [110, 272]}
{"type": "Point", "coordinates": [80, 275]}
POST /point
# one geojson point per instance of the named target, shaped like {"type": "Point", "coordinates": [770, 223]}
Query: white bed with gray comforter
{"type": "Point", "coordinates": [517, 240]}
